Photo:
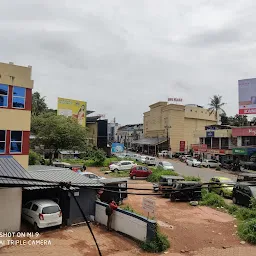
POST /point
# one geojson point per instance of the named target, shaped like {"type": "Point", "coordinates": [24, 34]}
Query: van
{"type": "Point", "coordinates": [150, 160]}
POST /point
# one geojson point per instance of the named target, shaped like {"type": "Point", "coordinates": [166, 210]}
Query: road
{"type": "Point", "coordinates": [204, 173]}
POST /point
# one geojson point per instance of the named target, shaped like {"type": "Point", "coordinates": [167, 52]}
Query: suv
{"type": "Point", "coordinates": [150, 160]}
{"type": "Point", "coordinates": [166, 183]}
{"type": "Point", "coordinates": [139, 172]}
{"type": "Point", "coordinates": [122, 166]}
{"type": "Point", "coordinates": [42, 213]}
{"type": "Point", "coordinates": [243, 192]}
{"type": "Point", "coordinates": [210, 163]}
{"type": "Point", "coordinates": [186, 191]}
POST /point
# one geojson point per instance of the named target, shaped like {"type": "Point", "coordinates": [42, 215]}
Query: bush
{"type": "Point", "coordinates": [157, 173]}
{"type": "Point", "coordinates": [247, 231]}
{"type": "Point", "coordinates": [213, 200]}
{"type": "Point", "coordinates": [90, 163]}
{"type": "Point", "coordinates": [99, 157]}
{"type": "Point", "coordinates": [159, 243]}
{"type": "Point", "coordinates": [192, 178]}
{"type": "Point", "coordinates": [34, 158]}
{"type": "Point", "coordinates": [232, 209]}
{"type": "Point", "coordinates": [245, 214]}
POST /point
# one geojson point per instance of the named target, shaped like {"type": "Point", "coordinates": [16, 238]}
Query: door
{"type": "Point", "coordinates": [25, 211]}
{"type": "Point", "coordinates": [123, 166]}
{"type": "Point", "coordinates": [139, 171]}
{"type": "Point", "coordinates": [33, 213]}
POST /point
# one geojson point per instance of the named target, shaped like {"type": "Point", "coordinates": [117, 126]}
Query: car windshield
{"type": "Point", "coordinates": [50, 209]}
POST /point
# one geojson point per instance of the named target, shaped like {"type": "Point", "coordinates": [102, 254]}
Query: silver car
{"type": "Point", "coordinates": [210, 163]}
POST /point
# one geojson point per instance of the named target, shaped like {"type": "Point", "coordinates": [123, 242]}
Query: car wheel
{"type": "Point", "coordinates": [234, 200]}
{"type": "Point", "coordinates": [134, 177]}
{"type": "Point", "coordinates": [208, 166]}
{"type": "Point", "coordinates": [36, 228]}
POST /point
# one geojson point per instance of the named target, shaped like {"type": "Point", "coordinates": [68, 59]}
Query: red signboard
{"type": "Point", "coordinates": [182, 146]}
{"type": "Point", "coordinates": [248, 131]}
{"type": "Point", "coordinates": [247, 111]}
{"type": "Point", "coordinates": [199, 147]}
{"type": "Point", "coordinates": [216, 151]}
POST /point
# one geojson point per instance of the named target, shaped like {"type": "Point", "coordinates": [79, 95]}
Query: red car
{"type": "Point", "coordinates": [140, 172]}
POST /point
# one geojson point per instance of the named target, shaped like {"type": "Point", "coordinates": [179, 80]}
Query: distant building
{"type": "Point", "coordinates": [174, 126]}
{"type": "Point", "coordinates": [112, 131]}
{"type": "Point", "coordinates": [129, 133]}
{"type": "Point", "coordinates": [15, 111]}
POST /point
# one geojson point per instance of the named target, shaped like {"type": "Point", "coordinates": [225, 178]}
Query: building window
{"type": "Point", "coordinates": [248, 141]}
{"type": "Point", "coordinates": [18, 97]}
{"type": "Point", "coordinates": [2, 141]}
{"type": "Point", "coordinates": [4, 95]}
{"type": "Point", "coordinates": [16, 142]}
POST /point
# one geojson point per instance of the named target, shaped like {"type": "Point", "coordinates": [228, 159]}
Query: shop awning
{"type": "Point", "coordinates": [150, 141]}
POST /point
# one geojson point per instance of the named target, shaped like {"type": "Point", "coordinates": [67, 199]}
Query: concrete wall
{"type": "Point", "coordinates": [127, 223]}
{"type": "Point", "coordinates": [10, 209]}
{"type": "Point", "coordinates": [22, 160]}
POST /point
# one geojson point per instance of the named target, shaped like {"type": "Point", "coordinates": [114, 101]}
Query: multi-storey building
{"type": "Point", "coordinates": [112, 131]}
{"type": "Point", "coordinates": [174, 126]}
{"type": "Point", "coordinates": [15, 111]}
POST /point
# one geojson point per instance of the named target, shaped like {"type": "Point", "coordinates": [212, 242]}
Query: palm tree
{"type": "Point", "coordinates": [216, 105]}
{"type": "Point", "coordinates": [38, 104]}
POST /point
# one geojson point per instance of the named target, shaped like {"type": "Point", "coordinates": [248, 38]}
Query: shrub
{"type": "Point", "coordinates": [213, 200]}
{"type": "Point", "coordinates": [247, 231]}
{"type": "Point", "coordinates": [192, 178]}
{"type": "Point", "coordinates": [90, 163]}
{"type": "Point", "coordinates": [159, 243]}
{"type": "Point", "coordinates": [245, 214]}
{"type": "Point", "coordinates": [34, 158]}
{"type": "Point", "coordinates": [232, 209]}
{"type": "Point", "coordinates": [99, 157]}
{"type": "Point", "coordinates": [253, 203]}
{"type": "Point", "coordinates": [157, 173]}
{"type": "Point", "coordinates": [108, 161]}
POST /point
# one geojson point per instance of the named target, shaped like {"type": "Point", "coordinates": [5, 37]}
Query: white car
{"type": "Point", "coordinates": [135, 157]}
{"type": "Point", "coordinates": [163, 153]}
{"type": "Point", "coordinates": [42, 213]}
{"type": "Point", "coordinates": [210, 163]}
{"type": "Point", "coordinates": [193, 162]}
{"type": "Point", "coordinates": [142, 159]}
{"type": "Point", "coordinates": [150, 160]}
{"type": "Point", "coordinates": [92, 176]}
{"type": "Point", "coordinates": [122, 166]}
{"type": "Point", "coordinates": [165, 165]}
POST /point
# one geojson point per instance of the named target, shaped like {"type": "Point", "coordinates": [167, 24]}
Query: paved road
{"type": "Point", "coordinates": [204, 173]}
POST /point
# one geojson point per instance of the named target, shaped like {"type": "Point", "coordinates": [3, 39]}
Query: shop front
{"type": "Point", "coordinates": [244, 154]}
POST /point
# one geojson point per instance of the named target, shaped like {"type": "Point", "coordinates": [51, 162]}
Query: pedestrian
{"type": "Point", "coordinates": [110, 208]}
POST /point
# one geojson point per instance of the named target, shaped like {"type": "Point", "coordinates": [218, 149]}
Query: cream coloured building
{"type": "Point", "coordinates": [181, 122]}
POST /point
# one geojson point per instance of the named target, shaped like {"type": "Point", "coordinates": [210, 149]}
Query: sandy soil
{"type": "Point", "coordinates": [195, 231]}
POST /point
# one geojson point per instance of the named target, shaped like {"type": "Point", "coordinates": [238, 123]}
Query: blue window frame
{"type": "Point", "coordinates": [2, 141]}
{"type": "Point", "coordinates": [4, 88]}
{"type": "Point", "coordinates": [18, 97]}
{"type": "Point", "coordinates": [16, 142]}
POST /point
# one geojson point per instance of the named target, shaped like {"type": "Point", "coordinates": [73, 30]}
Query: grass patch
{"type": "Point", "coordinates": [119, 174]}
{"type": "Point", "coordinates": [247, 231]}
{"type": "Point", "coordinates": [159, 243]}
{"type": "Point", "coordinates": [157, 173]}
{"type": "Point", "coordinates": [245, 214]}
{"type": "Point", "coordinates": [129, 209]}
{"type": "Point", "coordinates": [212, 200]}
{"type": "Point", "coordinates": [192, 178]}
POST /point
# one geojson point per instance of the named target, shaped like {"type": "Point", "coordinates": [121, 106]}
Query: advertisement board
{"type": "Point", "coordinates": [199, 147]}
{"type": "Point", "coordinates": [247, 96]}
{"type": "Point", "coordinates": [73, 108]}
{"type": "Point", "coordinates": [210, 134]}
{"type": "Point", "coordinates": [247, 131]}
{"type": "Point", "coordinates": [182, 146]}
{"type": "Point", "coordinates": [117, 148]}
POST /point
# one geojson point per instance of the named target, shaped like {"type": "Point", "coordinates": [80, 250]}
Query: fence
{"type": "Point", "coordinates": [127, 223]}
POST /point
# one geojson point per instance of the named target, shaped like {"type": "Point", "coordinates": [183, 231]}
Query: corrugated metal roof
{"type": "Point", "coordinates": [113, 180]}
{"type": "Point", "coordinates": [56, 174]}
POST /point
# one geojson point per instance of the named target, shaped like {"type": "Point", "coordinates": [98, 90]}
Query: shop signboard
{"type": "Point", "coordinates": [239, 151]}
{"type": "Point", "coordinates": [209, 133]}
{"type": "Point", "coordinates": [247, 96]}
{"type": "Point", "coordinates": [216, 151]}
{"type": "Point", "coordinates": [199, 147]}
{"type": "Point", "coordinates": [240, 132]}
{"type": "Point", "coordinates": [182, 146]}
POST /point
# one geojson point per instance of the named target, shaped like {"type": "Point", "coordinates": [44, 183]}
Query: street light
{"type": "Point", "coordinates": [167, 136]}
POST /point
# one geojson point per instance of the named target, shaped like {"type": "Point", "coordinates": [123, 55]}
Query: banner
{"type": "Point", "coordinates": [74, 108]}
{"type": "Point", "coordinates": [117, 148]}
{"type": "Point", "coordinates": [247, 96]}
{"type": "Point", "coordinates": [182, 146]}
{"type": "Point", "coordinates": [199, 147]}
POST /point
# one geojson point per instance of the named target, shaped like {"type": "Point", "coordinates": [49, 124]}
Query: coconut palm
{"type": "Point", "coordinates": [38, 104]}
{"type": "Point", "coordinates": [216, 105]}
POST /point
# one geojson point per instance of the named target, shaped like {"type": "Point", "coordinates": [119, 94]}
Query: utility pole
{"type": "Point", "coordinates": [167, 136]}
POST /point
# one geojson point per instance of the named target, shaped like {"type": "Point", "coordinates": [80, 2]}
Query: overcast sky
{"type": "Point", "coordinates": [121, 56]}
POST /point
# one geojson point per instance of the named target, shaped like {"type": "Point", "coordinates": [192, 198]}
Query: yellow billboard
{"type": "Point", "coordinates": [74, 108]}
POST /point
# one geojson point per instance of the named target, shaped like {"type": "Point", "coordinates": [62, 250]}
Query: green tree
{"type": "Point", "coordinates": [216, 105]}
{"type": "Point", "coordinates": [225, 120]}
{"type": "Point", "coordinates": [238, 120]}
{"type": "Point", "coordinates": [56, 133]}
{"type": "Point", "coordinates": [34, 158]}
{"type": "Point", "coordinates": [39, 105]}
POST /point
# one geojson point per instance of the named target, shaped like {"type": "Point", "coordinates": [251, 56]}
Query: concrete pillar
{"type": "Point", "coordinates": [211, 142]}
{"type": "Point", "coordinates": [219, 143]}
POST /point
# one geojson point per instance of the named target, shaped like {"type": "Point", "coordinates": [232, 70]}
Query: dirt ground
{"type": "Point", "coordinates": [195, 231]}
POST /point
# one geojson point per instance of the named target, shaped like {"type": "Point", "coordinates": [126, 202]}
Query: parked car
{"type": "Point", "coordinates": [246, 177]}
{"type": "Point", "coordinates": [42, 213]}
{"type": "Point", "coordinates": [193, 162]}
{"type": "Point", "coordinates": [166, 183]}
{"type": "Point", "coordinates": [135, 157]}
{"type": "Point", "coordinates": [165, 165]}
{"type": "Point", "coordinates": [178, 154]}
{"type": "Point", "coordinates": [210, 163]}
{"type": "Point", "coordinates": [183, 158]}
{"type": "Point", "coordinates": [228, 164]}
{"type": "Point", "coordinates": [186, 191]}
{"type": "Point", "coordinates": [92, 176]}
{"type": "Point", "coordinates": [163, 153]}
{"type": "Point", "coordinates": [142, 159]}
{"type": "Point", "coordinates": [140, 172]}
{"type": "Point", "coordinates": [224, 186]}
{"type": "Point", "coordinates": [243, 192]}
{"type": "Point", "coordinates": [122, 166]}
{"type": "Point", "coordinates": [150, 160]}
